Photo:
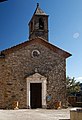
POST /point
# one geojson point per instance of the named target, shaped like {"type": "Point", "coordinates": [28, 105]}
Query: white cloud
{"type": "Point", "coordinates": [76, 35]}
{"type": "Point", "coordinates": [79, 79]}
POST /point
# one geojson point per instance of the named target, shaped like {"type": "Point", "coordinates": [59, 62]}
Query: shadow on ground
{"type": "Point", "coordinates": [64, 119]}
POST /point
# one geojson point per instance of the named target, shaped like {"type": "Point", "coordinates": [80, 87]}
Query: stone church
{"type": "Point", "coordinates": [34, 72]}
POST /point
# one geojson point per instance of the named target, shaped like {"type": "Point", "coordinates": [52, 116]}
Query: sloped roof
{"type": "Point", "coordinates": [41, 41]}
{"type": "Point", "coordinates": [39, 11]}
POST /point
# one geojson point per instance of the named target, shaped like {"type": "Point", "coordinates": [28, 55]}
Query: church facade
{"type": "Point", "coordinates": [34, 72]}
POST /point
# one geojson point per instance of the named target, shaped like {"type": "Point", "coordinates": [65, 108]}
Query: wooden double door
{"type": "Point", "coordinates": [36, 95]}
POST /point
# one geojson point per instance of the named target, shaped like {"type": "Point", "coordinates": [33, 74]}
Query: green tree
{"type": "Point", "coordinates": [72, 86]}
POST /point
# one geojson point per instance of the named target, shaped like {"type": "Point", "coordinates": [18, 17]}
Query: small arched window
{"type": "Point", "coordinates": [41, 24]}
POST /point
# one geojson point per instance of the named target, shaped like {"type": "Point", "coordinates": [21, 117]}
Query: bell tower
{"type": "Point", "coordinates": [38, 25]}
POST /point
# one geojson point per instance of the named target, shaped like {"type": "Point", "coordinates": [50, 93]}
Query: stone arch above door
{"type": "Point", "coordinates": [37, 78]}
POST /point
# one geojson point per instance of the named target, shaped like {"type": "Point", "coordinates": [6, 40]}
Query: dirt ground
{"type": "Point", "coordinates": [35, 114]}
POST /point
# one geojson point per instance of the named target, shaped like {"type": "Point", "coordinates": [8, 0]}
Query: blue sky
{"type": "Point", "coordinates": [65, 27]}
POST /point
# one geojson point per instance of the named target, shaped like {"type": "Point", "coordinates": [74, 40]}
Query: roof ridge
{"type": "Point", "coordinates": [54, 48]}
{"type": "Point", "coordinates": [39, 11]}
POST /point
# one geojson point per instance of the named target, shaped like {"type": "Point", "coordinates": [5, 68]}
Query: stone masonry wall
{"type": "Point", "coordinates": [19, 64]}
{"type": "Point", "coordinates": [2, 62]}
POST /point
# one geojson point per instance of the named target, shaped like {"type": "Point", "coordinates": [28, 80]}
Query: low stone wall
{"type": "Point", "coordinates": [76, 114]}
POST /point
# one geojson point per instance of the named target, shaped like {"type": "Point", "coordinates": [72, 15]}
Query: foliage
{"type": "Point", "coordinates": [72, 86]}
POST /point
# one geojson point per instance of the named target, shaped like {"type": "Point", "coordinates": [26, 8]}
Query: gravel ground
{"type": "Point", "coordinates": [35, 114]}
